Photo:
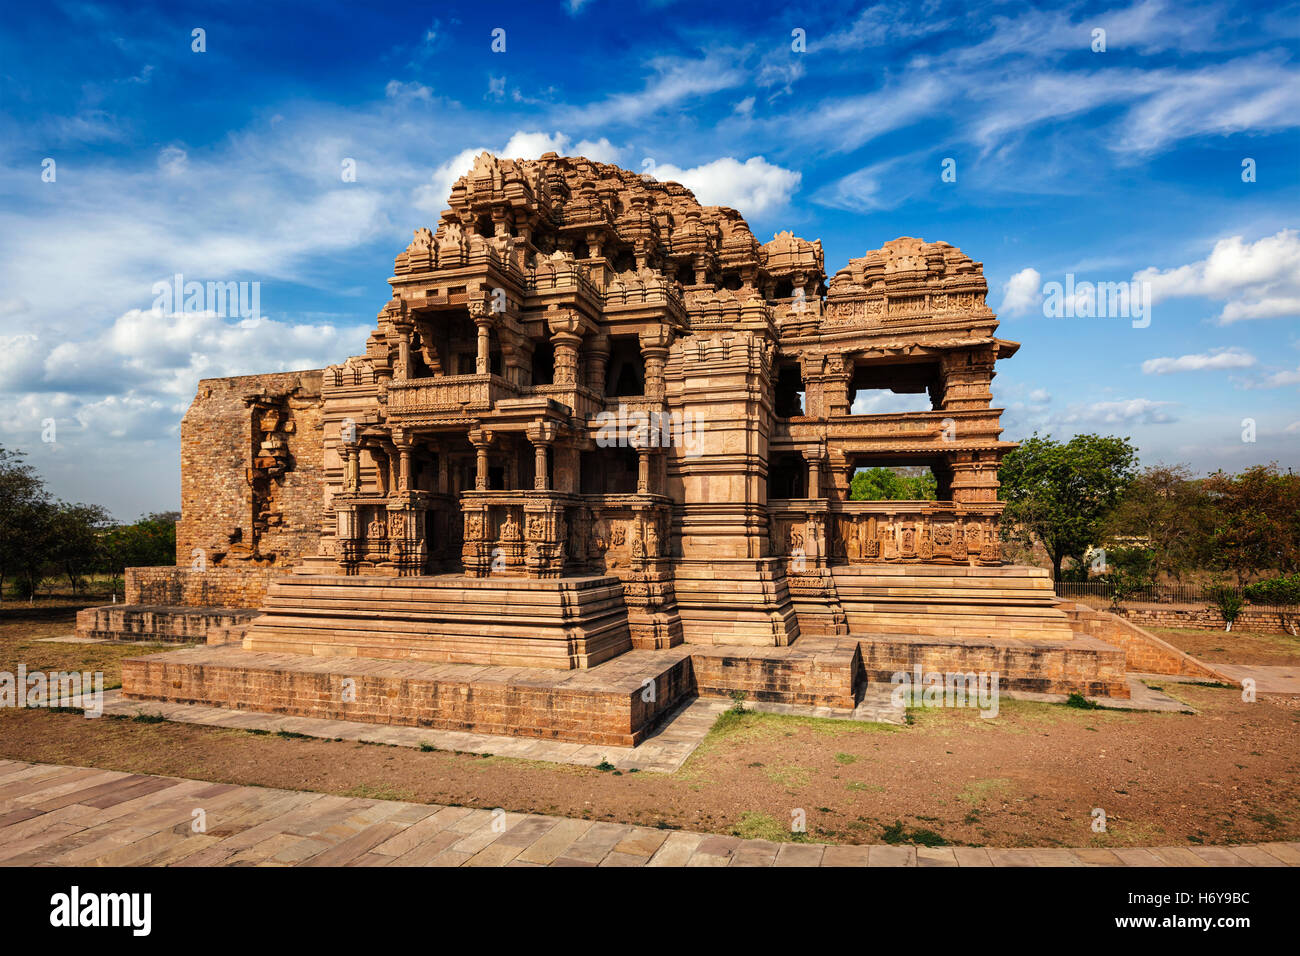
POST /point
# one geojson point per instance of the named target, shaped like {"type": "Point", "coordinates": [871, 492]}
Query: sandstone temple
{"type": "Point", "coordinates": [594, 459]}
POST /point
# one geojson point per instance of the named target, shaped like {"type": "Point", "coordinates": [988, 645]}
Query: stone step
{"type": "Point", "coordinates": [551, 623]}
{"type": "Point", "coordinates": [148, 622]}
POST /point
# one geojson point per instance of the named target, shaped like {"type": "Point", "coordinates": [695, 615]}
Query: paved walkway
{"type": "Point", "coordinates": [75, 816]}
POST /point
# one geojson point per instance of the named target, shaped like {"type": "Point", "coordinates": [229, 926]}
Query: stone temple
{"type": "Point", "coordinates": [594, 460]}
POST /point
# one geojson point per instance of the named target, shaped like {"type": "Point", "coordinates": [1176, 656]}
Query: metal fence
{"type": "Point", "coordinates": [1199, 594]}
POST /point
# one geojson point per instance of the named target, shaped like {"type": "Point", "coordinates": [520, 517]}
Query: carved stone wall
{"type": "Point", "coordinates": [252, 480]}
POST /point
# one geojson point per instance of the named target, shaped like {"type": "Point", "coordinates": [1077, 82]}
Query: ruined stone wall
{"type": "Point", "coordinates": [252, 475]}
{"type": "Point", "coordinates": [181, 587]}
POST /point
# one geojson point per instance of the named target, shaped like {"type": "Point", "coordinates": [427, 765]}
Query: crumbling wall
{"type": "Point", "coordinates": [252, 474]}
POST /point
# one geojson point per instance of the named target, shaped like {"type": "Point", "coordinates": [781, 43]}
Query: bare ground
{"type": "Point", "coordinates": [1030, 777]}
{"type": "Point", "coordinates": [1233, 647]}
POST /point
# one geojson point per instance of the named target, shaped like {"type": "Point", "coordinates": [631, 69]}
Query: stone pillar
{"type": "Point", "coordinates": [597, 362]}
{"type": "Point", "coordinates": [403, 330]}
{"type": "Point", "coordinates": [814, 475]}
{"type": "Point", "coordinates": [481, 439]}
{"type": "Point", "coordinates": [352, 473]}
{"type": "Point", "coordinates": [404, 466]}
{"type": "Point", "coordinates": [479, 313]}
{"type": "Point", "coordinates": [541, 434]}
{"type": "Point", "coordinates": [566, 337]}
{"type": "Point", "coordinates": [444, 473]}
{"type": "Point", "coordinates": [643, 471]}
{"type": "Point", "coordinates": [654, 351]}
{"type": "Point", "coordinates": [966, 377]}
{"type": "Point", "coordinates": [541, 481]}
{"type": "Point", "coordinates": [835, 386]}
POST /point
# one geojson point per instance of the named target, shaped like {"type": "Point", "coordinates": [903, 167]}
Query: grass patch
{"type": "Point", "coordinates": [760, 826]}
{"type": "Point", "coordinates": [846, 759]}
{"type": "Point", "coordinates": [368, 791]}
{"type": "Point", "coordinates": [1080, 702]}
{"type": "Point", "coordinates": [978, 791]}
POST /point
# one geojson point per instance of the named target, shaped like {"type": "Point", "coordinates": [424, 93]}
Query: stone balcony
{"type": "Point", "coordinates": [826, 532]}
{"type": "Point", "coordinates": [448, 395]}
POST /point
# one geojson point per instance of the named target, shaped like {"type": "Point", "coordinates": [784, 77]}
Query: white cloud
{"type": "Point", "coordinates": [674, 80]}
{"type": "Point", "coordinates": [753, 187]}
{"type": "Point", "coordinates": [1259, 279]}
{"type": "Point", "coordinates": [1280, 379]}
{"type": "Point", "coordinates": [1022, 292]}
{"type": "Point", "coordinates": [1131, 411]}
{"type": "Point", "coordinates": [1217, 359]}
{"type": "Point", "coordinates": [396, 90]}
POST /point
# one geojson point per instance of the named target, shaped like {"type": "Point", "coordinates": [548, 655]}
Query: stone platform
{"type": "Point", "coordinates": [148, 622]}
{"type": "Point", "coordinates": [498, 621]}
{"type": "Point", "coordinates": [1012, 602]}
{"type": "Point", "coordinates": [1082, 665]}
{"type": "Point", "coordinates": [616, 703]}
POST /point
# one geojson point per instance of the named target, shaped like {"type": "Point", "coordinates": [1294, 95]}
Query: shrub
{"type": "Point", "coordinates": [1228, 602]}
{"type": "Point", "coordinates": [1282, 592]}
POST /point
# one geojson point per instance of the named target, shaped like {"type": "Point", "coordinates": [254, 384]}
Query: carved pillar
{"type": "Point", "coordinates": [643, 471]}
{"type": "Point", "coordinates": [967, 376]}
{"type": "Point", "coordinates": [479, 313]}
{"type": "Point", "coordinates": [814, 475]}
{"type": "Point", "coordinates": [403, 328]}
{"type": "Point", "coordinates": [541, 434]}
{"type": "Point", "coordinates": [835, 385]}
{"type": "Point", "coordinates": [566, 337]}
{"type": "Point", "coordinates": [654, 351]}
{"type": "Point", "coordinates": [597, 362]}
{"type": "Point", "coordinates": [352, 472]}
{"type": "Point", "coordinates": [481, 439]}
{"type": "Point", "coordinates": [402, 446]}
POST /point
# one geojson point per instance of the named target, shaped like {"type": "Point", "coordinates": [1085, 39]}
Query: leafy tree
{"type": "Point", "coordinates": [25, 514]}
{"type": "Point", "coordinates": [1168, 511]}
{"type": "Point", "coordinates": [886, 484]}
{"type": "Point", "coordinates": [1061, 494]}
{"type": "Point", "coordinates": [77, 540]}
{"type": "Point", "coordinates": [1256, 521]}
{"type": "Point", "coordinates": [149, 542]}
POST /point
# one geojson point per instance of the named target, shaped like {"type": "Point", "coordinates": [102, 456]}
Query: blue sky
{"type": "Point", "coordinates": [224, 165]}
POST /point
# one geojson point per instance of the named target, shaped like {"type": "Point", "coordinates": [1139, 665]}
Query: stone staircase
{"type": "Point", "coordinates": [559, 623]}
{"type": "Point", "coordinates": [943, 601]}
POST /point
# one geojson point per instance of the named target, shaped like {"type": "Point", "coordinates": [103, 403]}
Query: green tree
{"type": "Point", "coordinates": [149, 542]}
{"type": "Point", "coordinates": [886, 484]}
{"type": "Point", "coordinates": [25, 516]}
{"type": "Point", "coordinates": [76, 546]}
{"type": "Point", "coordinates": [1167, 511]}
{"type": "Point", "coordinates": [1061, 494]}
{"type": "Point", "coordinates": [1256, 521]}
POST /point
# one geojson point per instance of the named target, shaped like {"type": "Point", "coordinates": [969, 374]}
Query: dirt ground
{"type": "Point", "coordinates": [1031, 777]}
{"type": "Point", "coordinates": [1233, 647]}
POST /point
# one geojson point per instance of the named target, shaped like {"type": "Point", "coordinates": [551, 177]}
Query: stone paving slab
{"type": "Point", "coordinates": [1269, 679]}
{"type": "Point", "coordinates": [51, 814]}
